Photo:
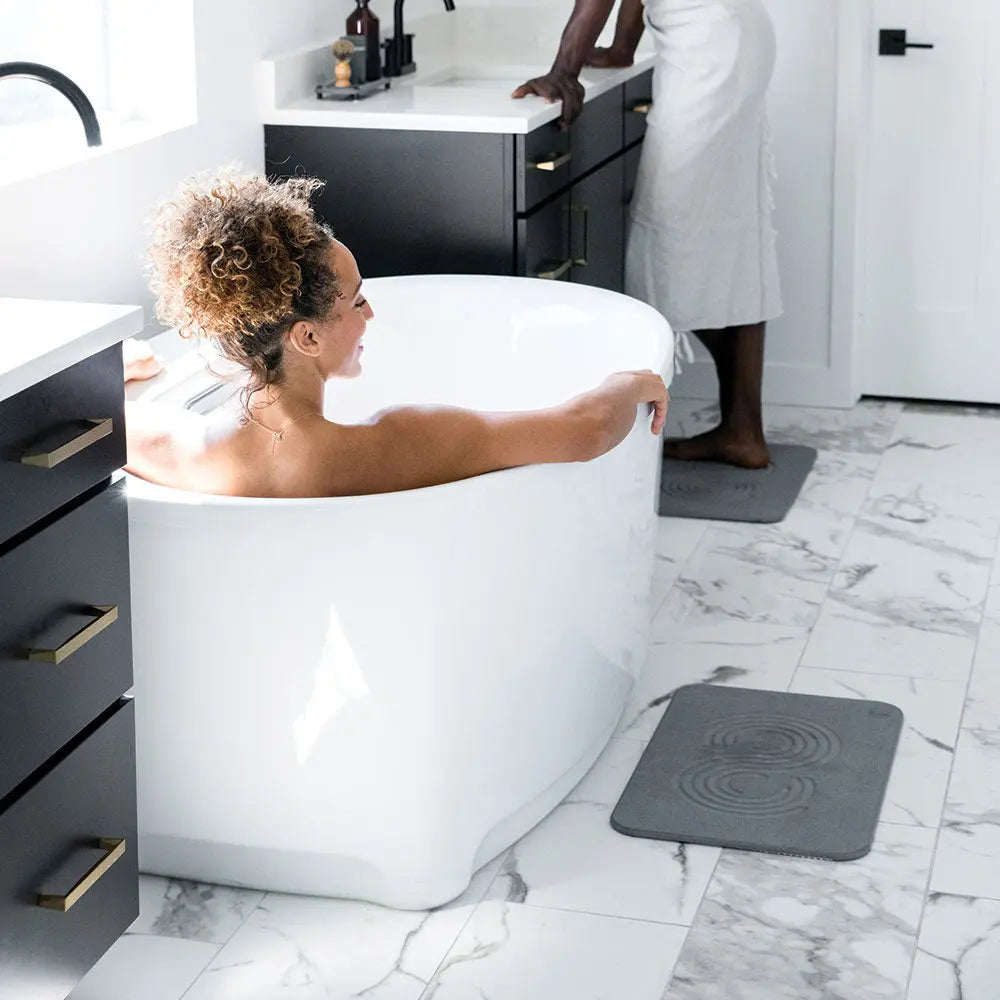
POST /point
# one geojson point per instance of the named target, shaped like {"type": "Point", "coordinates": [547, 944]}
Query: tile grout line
{"type": "Point", "coordinates": [951, 773]}
{"type": "Point", "coordinates": [218, 951]}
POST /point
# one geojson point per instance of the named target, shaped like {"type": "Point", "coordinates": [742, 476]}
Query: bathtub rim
{"type": "Point", "coordinates": [142, 491]}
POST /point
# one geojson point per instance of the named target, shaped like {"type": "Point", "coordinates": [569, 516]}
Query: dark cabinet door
{"type": "Point", "coordinates": [543, 244]}
{"type": "Point", "coordinates": [598, 225]}
{"type": "Point", "coordinates": [59, 438]}
{"type": "Point", "coordinates": [68, 880]}
{"type": "Point", "coordinates": [65, 631]}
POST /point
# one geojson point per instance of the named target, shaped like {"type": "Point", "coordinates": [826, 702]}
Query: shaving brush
{"type": "Point", "coordinates": [342, 52]}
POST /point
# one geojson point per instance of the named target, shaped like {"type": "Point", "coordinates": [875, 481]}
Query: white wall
{"type": "Point", "coordinates": [77, 233]}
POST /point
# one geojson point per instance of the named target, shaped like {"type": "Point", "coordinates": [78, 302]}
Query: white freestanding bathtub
{"type": "Point", "coordinates": [371, 697]}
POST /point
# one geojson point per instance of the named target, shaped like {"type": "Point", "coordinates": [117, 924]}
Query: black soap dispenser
{"type": "Point", "coordinates": [363, 22]}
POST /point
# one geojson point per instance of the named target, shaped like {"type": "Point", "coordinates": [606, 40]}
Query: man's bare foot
{"type": "Point", "coordinates": [140, 361]}
{"type": "Point", "coordinates": [747, 451]}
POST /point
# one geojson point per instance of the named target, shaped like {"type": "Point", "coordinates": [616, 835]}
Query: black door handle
{"type": "Point", "coordinates": [892, 42]}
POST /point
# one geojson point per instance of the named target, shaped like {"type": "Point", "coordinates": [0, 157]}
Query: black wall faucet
{"type": "Point", "coordinates": [65, 86]}
{"type": "Point", "coordinates": [399, 48]}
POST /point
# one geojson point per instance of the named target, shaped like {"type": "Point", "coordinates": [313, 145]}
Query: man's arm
{"type": "Point", "coordinates": [628, 32]}
{"type": "Point", "coordinates": [578, 38]}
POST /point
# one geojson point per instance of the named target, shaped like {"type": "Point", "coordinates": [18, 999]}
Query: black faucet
{"type": "Point", "coordinates": [65, 86]}
{"type": "Point", "coordinates": [399, 48]}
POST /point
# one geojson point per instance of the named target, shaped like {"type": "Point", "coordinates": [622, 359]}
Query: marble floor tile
{"type": "Point", "coordinates": [770, 574]}
{"type": "Point", "coordinates": [779, 928]}
{"type": "Point", "coordinates": [945, 448]}
{"type": "Point", "coordinates": [733, 654]}
{"type": "Point", "coordinates": [845, 638]}
{"type": "Point", "coordinates": [839, 483]}
{"type": "Point", "coordinates": [512, 952]}
{"type": "Point", "coordinates": [676, 540]}
{"type": "Point", "coordinates": [304, 947]}
{"type": "Point", "coordinates": [982, 707]}
{"type": "Point", "coordinates": [145, 967]}
{"type": "Point", "coordinates": [934, 518]}
{"type": "Point", "coordinates": [968, 854]}
{"type": "Point", "coordinates": [574, 860]}
{"type": "Point", "coordinates": [931, 711]}
{"type": "Point", "coordinates": [865, 429]}
{"type": "Point", "coordinates": [911, 585]}
{"type": "Point", "coordinates": [958, 953]}
{"type": "Point", "coordinates": [191, 910]}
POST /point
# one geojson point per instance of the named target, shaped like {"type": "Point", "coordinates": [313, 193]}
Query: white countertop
{"type": "Point", "coordinates": [39, 337]}
{"type": "Point", "coordinates": [463, 47]}
{"type": "Point", "coordinates": [424, 108]}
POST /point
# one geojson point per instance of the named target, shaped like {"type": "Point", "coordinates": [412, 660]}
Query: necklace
{"type": "Point", "coordinates": [277, 435]}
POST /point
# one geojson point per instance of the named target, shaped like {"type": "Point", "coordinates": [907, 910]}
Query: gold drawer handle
{"type": "Point", "coordinates": [556, 272]}
{"type": "Point", "coordinates": [642, 108]}
{"type": "Point", "coordinates": [50, 459]}
{"type": "Point", "coordinates": [115, 848]}
{"type": "Point", "coordinates": [107, 614]}
{"type": "Point", "coordinates": [554, 161]}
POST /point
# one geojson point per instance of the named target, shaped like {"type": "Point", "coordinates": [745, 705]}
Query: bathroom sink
{"type": "Point", "coordinates": [501, 77]}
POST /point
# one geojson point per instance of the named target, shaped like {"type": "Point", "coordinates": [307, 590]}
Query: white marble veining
{"type": "Point", "coordinates": [769, 574]}
{"type": "Point", "coordinates": [982, 707]}
{"type": "Point", "coordinates": [892, 547]}
{"type": "Point", "coordinates": [958, 954]}
{"type": "Point", "coordinates": [192, 910]}
{"type": "Point", "coordinates": [968, 854]}
{"type": "Point", "coordinates": [957, 449]}
{"type": "Point", "coordinates": [39, 337]}
{"type": "Point", "coordinates": [676, 540]}
{"type": "Point", "coordinates": [774, 928]}
{"type": "Point", "coordinates": [514, 952]}
{"type": "Point", "coordinates": [574, 860]}
{"type": "Point", "coordinates": [300, 946]}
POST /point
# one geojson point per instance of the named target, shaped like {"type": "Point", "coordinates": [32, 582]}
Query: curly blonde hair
{"type": "Point", "coordinates": [239, 259]}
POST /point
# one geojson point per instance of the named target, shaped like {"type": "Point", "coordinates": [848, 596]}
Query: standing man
{"type": "Point", "coordinates": [701, 247]}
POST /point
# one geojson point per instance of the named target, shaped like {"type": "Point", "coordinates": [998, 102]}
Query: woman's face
{"type": "Point", "coordinates": [335, 341]}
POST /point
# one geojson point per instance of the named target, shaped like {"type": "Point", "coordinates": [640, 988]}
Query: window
{"type": "Point", "coordinates": [134, 59]}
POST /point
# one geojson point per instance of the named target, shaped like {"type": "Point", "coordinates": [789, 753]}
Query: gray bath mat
{"type": "Point", "coordinates": [764, 771]}
{"type": "Point", "coordinates": [718, 492]}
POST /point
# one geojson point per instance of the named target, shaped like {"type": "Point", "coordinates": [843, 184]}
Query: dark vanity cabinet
{"type": "Point", "coordinates": [68, 859]}
{"type": "Point", "coordinates": [548, 204]}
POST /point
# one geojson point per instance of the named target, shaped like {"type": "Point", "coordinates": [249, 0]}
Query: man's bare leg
{"type": "Point", "coordinates": [738, 353]}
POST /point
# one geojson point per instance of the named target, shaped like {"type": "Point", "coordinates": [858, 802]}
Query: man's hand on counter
{"type": "Point", "coordinates": [556, 85]}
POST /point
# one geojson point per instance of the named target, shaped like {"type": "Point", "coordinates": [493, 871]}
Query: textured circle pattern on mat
{"type": "Point", "coordinates": [777, 740]}
{"type": "Point", "coordinates": [689, 488]}
{"type": "Point", "coordinates": [732, 787]}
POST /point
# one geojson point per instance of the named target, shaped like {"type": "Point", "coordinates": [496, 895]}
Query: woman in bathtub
{"type": "Point", "coordinates": [244, 261]}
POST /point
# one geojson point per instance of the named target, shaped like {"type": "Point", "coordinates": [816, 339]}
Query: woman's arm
{"type": "Point", "coordinates": [411, 447]}
{"type": "Point", "coordinates": [578, 38]}
{"type": "Point", "coordinates": [628, 32]}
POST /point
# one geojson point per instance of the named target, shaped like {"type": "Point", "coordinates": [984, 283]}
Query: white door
{"type": "Point", "coordinates": [931, 235]}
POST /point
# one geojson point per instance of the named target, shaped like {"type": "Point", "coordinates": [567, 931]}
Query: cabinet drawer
{"type": "Point", "coordinates": [71, 430]}
{"type": "Point", "coordinates": [543, 165]}
{"type": "Point", "coordinates": [598, 217]}
{"type": "Point", "coordinates": [53, 837]}
{"type": "Point", "coordinates": [543, 249]}
{"type": "Point", "coordinates": [637, 102]}
{"type": "Point", "coordinates": [597, 134]}
{"type": "Point", "coordinates": [53, 586]}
